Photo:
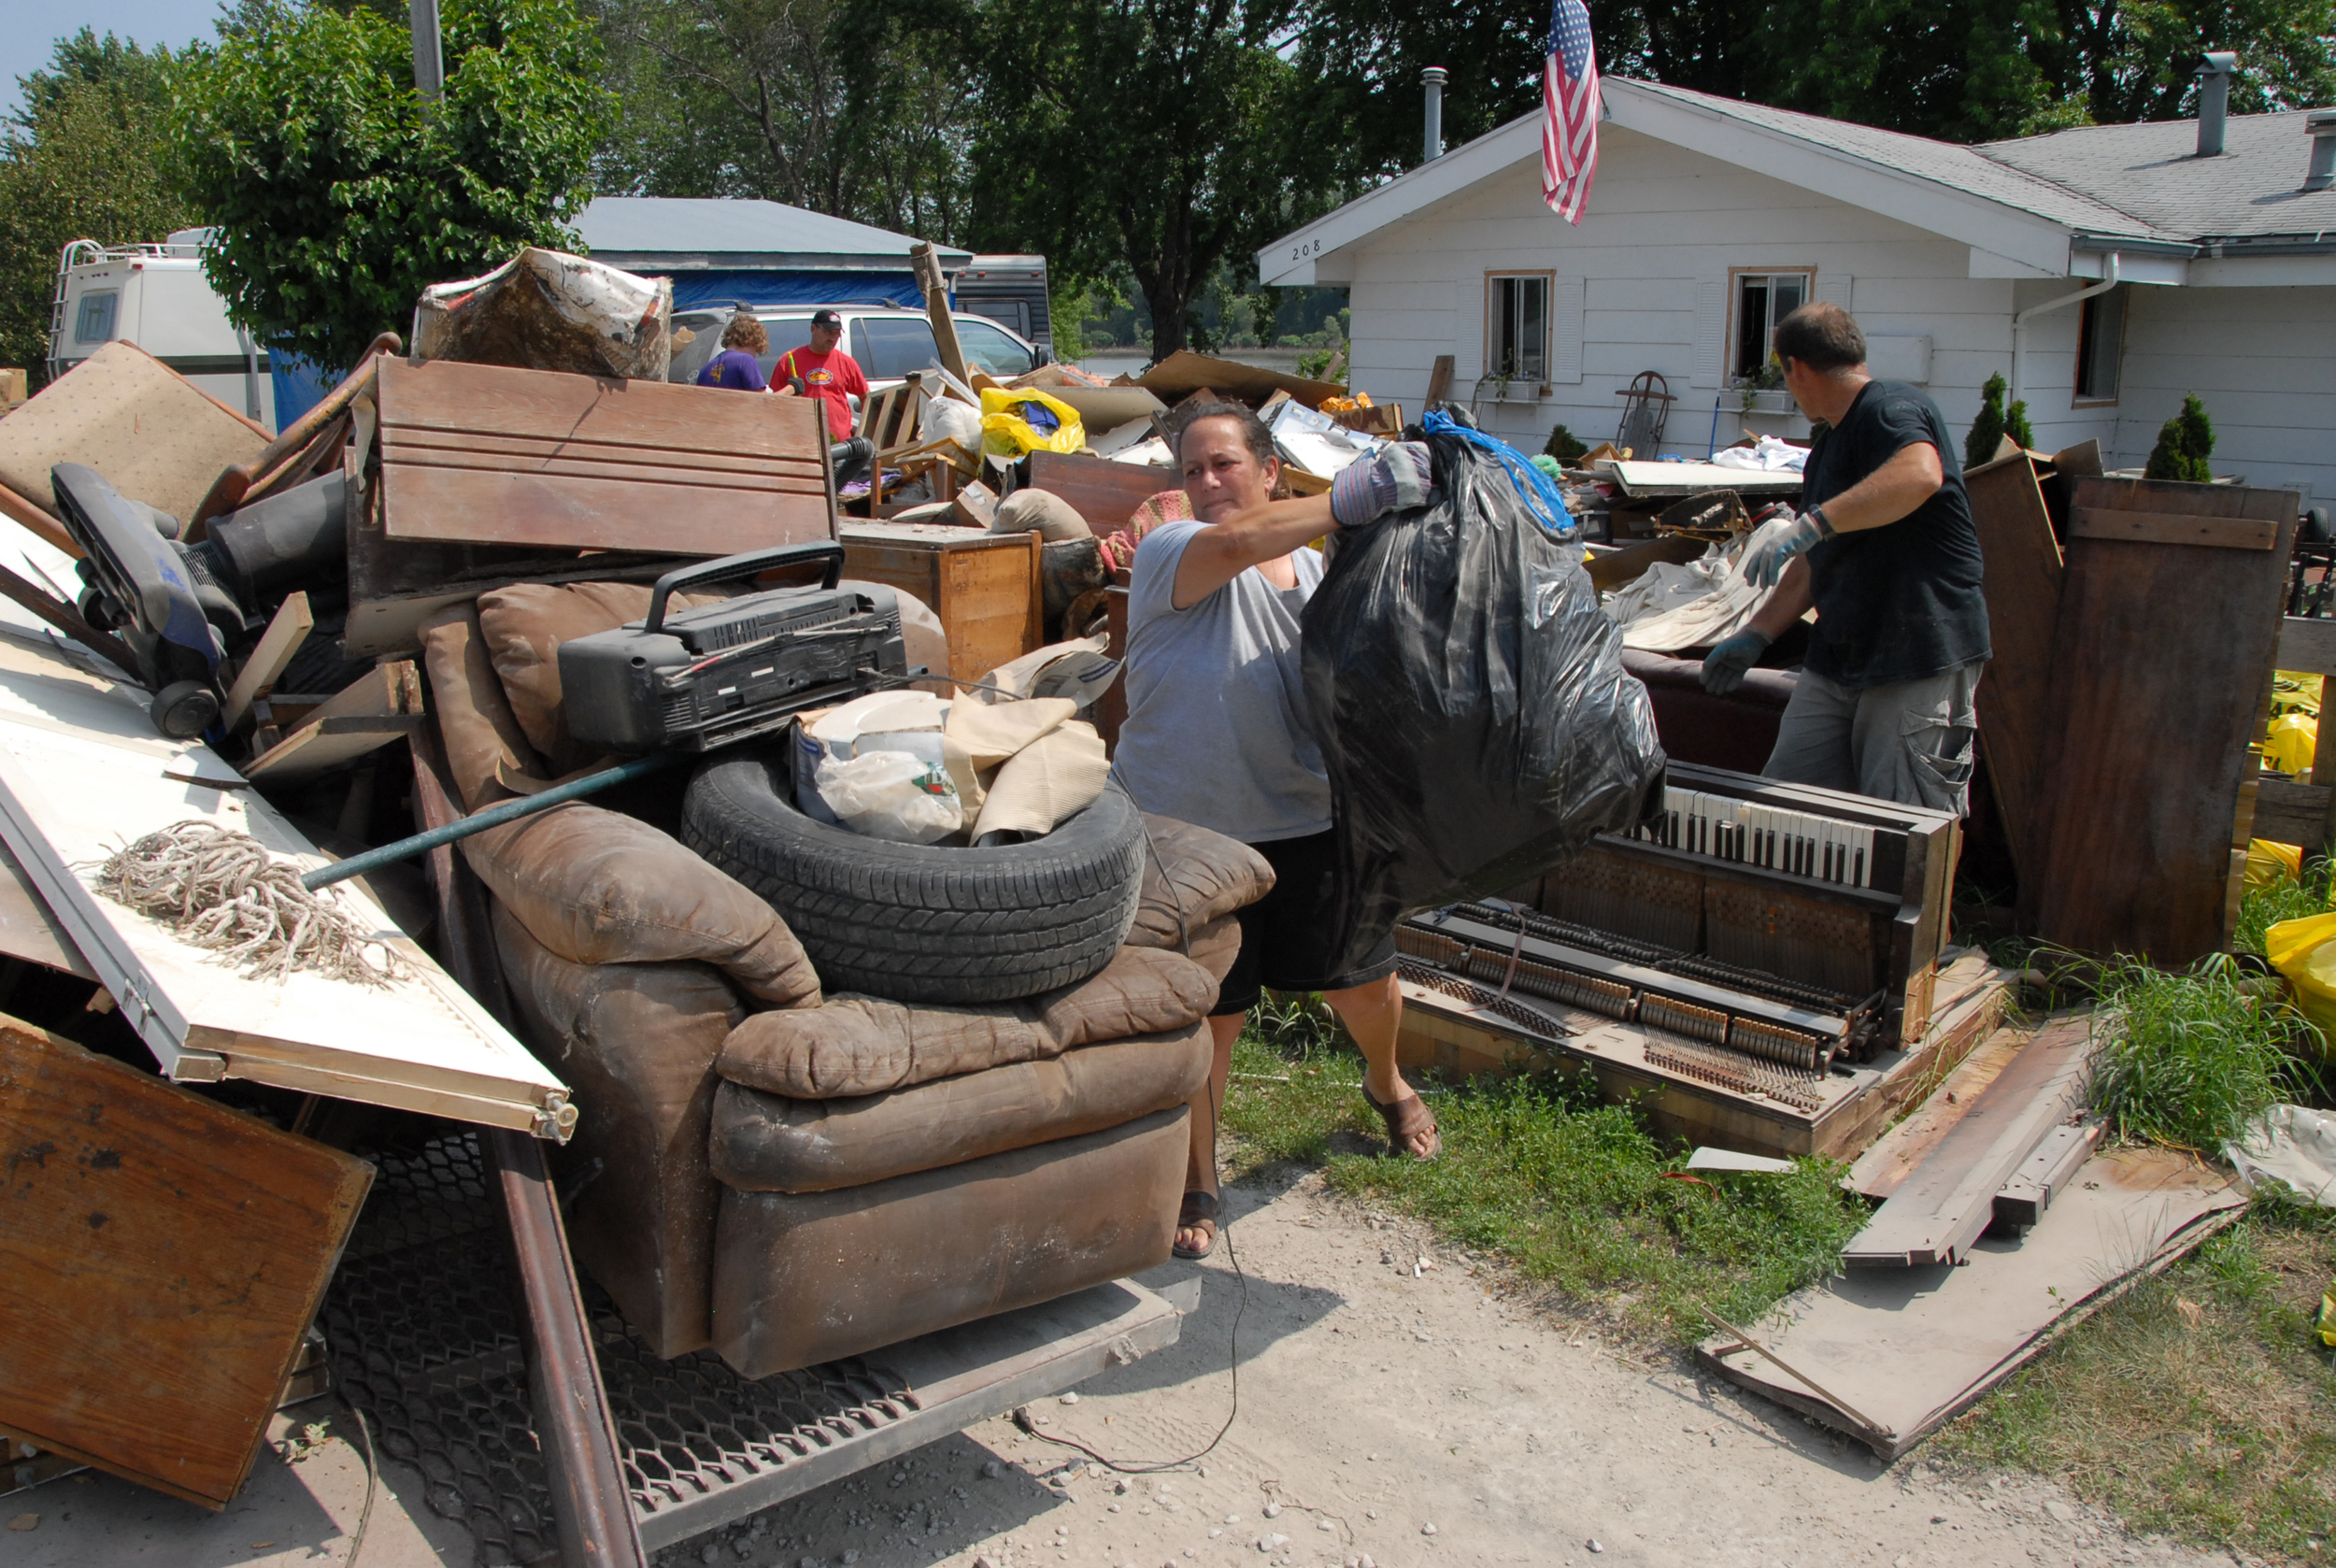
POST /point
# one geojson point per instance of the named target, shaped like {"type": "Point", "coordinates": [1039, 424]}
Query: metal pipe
{"type": "Point", "coordinates": [1434, 76]}
{"type": "Point", "coordinates": [2320, 125]}
{"type": "Point", "coordinates": [251, 372]}
{"type": "Point", "coordinates": [479, 821]}
{"type": "Point", "coordinates": [2213, 99]}
{"type": "Point", "coordinates": [2019, 322]}
{"type": "Point", "coordinates": [429, 61]}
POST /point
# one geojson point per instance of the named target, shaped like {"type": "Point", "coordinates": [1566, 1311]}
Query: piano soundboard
{"type": "Point", "coordinates": [1754, 933]}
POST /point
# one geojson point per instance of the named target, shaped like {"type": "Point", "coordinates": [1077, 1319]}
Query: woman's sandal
{"type": "Point", "coordinates": [1405, 1120]}
{"type": "Point", "coordinates": [1199, 1208]}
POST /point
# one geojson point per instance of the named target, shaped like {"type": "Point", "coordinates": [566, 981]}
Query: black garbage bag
{"type": "Point", "coordinates": [1470, 700]}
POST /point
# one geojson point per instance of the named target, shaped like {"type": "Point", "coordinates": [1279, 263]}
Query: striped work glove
{"type": "Point", "coordinates": [1394, 479]}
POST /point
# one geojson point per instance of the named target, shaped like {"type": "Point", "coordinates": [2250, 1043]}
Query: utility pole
{"type": "Point", "coordinates": [429, 63]}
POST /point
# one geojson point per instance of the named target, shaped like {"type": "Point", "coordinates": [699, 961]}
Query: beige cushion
{"type": "Point", "coordinates": [768, 1143]}
{"type": "Point", "coordinates": [865, 1044]}
{"type": "Point", "coordinates": [1201, 872]}
{"type": "Point", "coordinates": [1041, 511]}
{"type": "Point", "coordinates": [480, 732]}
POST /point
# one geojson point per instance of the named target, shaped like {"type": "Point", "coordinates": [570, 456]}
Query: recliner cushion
{"type": "Point", "coordinates": [866, 1045]}
{"type": "Point", "coordinates": [767, 1143]}
{"type": "Point", "coordinates": [1195, 872]}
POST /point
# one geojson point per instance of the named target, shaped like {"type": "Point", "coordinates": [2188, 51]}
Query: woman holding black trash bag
{"type": "Point", "coordinates": [1216, 735]}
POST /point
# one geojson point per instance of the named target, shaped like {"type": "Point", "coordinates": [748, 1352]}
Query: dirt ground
{"type": "Point", "coordinates": [1390, 1412]}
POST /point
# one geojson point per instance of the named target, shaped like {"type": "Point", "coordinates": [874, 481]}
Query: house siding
{"type": "Point", "coordinates": [1665, 223]}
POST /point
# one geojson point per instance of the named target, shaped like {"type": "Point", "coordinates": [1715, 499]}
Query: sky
{"type": "Point", "coordinates": [29, 30]}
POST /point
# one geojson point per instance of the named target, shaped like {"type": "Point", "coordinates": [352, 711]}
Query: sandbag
{"type": "Point", "coordinates": [1041, 512]}
{"type": "Point", "coordinates": [1469, 697]}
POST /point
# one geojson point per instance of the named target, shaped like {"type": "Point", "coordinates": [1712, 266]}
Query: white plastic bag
{"type": "Point", "coordinates": [893, 796]}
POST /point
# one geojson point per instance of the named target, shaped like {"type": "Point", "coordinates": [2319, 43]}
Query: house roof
{"type": "Point", "coordinates": [690, 234]}
{"type": "Point", "coordinates": [2033, 202]}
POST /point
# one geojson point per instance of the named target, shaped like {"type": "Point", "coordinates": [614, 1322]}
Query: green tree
{"type": "Point", "coordinates": [2016, 427]}
{"type": "Point", "coordinates": [340, 195]}
{"type": "Point", "coordinates": [2185, 442]}
{"type": "Point", "coordinates": [84, 158]}
{"type": "Point", "coordinates": [1986, 431]}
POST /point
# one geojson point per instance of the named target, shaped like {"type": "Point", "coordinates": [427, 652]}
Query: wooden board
{"type": "Point", "coordinates": [484, 454]}
{"type": "Point", "coordinates": [285, 633]}
{"type": "Point", "coordinates": [380, 706]}
{"type": "Point", "coordinates": [2173, 528]}
{"type": "Point", "coordinates": [2162, 666]}
{"type": "Point", "coordinates": [1105, 492]}
{"type": "Point", "coordinates": [1942, 1206]}
{"type": "Point", "coordinates": [1890, 1159]}
{"type": "Point", "coordinates": [161, 1258]}
{"type": "Point", "coordinates": [986, 588]}
{"type": "Point", "coordinates": [1909, 1347]}
{"type": "Point", "coordinates": [81, 773]}
{"type": "Point", "coordinates": [2021, 581]}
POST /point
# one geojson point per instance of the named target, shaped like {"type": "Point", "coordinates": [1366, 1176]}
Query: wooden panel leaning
{"type": "Point", "coordinates": [2022, 584]}
{"type": "Point", "coordinates": [482, 454]}
{"type": "Point", "coordinates": [1105, 492]}
{"type": "Point", "coordinates": [2161, 668]}
{"type": "Point", "coordinates": [160, 1257]}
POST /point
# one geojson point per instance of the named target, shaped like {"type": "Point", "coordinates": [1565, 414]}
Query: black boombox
{"type": "Point", "coordinates": [728, 672]}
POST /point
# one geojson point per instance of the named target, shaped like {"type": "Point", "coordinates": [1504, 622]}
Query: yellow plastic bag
{"type": "Point", "coordinates": [2290, 741]}
{"type": "Point", "coordinates": [2293, 692]}
{"type": "Point", "coordinates": [2304, 951]}
{"type": "Point", "coordinates": [2269, 865]}
{"type": "Point", "coordinates": [2326, 1324]}
{"type": "Point", "coordinates": [1017, 423]}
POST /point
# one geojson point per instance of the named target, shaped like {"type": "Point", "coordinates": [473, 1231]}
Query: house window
{"type": "Point", "coordinates": [2100, 345]}
{"type": "Point", "coordinates": [96, 322]}
{"type": "Point", "coordinates": [1763, 300]}
{"type": "Point", "coordinates": [1517, 329]}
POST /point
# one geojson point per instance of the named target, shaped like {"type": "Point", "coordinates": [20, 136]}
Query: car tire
{"type": "Point", "coordinates": [919, 922]}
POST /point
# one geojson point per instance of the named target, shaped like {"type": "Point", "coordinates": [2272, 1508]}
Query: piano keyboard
{"type": "Point", "coordinates": [1798, 843]}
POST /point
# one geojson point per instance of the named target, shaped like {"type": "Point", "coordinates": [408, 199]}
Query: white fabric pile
{"type": "Point", "coordinates": [1770, 456]}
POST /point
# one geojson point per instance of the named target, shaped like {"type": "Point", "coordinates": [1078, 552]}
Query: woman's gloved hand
{"type": "Point", "coordinates": [1393, 479]}
{"type": "Point", "coordinates": [1724, 666]}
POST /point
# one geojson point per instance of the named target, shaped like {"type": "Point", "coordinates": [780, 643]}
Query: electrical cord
{"type": "Point", "coordinates": [373, 1481]}
{"type": "Point", "coordinates": [1217, 1120]}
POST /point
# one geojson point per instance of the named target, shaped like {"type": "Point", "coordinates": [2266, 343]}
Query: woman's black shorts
{"type": "Point", "coordinates": [1286, 939]}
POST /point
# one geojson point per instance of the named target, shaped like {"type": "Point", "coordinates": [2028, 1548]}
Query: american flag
{"type": "Point", "coordinates": [1570, 107]}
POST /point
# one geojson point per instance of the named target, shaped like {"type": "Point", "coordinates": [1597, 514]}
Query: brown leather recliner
{"type": "Point", "coordinates": [791, 1178]}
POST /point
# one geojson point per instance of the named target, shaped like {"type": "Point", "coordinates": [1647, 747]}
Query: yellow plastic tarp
{"type": "Point", "coordinates": [1008, 432]}
{"type": "Point", "coordinates": [2294, 692]}
{"type": "Point", "coordinates": [2269, 865]}
{"type": "Point", "coordinates": [2290, 741]}
{"type": "Point", "coordinates": [2304, 951]}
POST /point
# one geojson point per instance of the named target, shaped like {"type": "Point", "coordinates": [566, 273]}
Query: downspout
{"type": "Point", "coordinates": [2019, 322]}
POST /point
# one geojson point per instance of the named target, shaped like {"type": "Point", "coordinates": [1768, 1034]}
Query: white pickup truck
{"type": "Point", "coordinates": [156, 297]}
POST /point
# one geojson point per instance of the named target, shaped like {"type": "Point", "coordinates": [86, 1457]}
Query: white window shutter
{"type": "Point", "coordinates": [1711, 329]}
{"type": "Point", "coordinates": [1833, 287]}
{"type": "Point", "coordinates": [1565, 362]}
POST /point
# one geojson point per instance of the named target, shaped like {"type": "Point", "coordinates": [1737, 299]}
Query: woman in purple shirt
{"type": "Point", "coordinates": [736, 366]}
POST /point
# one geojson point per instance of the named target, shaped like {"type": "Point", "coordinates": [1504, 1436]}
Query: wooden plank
{"type": "Point", "coordinates": [1948, 1200]}
{"type": "Point", "coordinates": [2174, 528]}
{"type": "Point", "coordinates": [379, 708]}
{"type": "Point", "coordinates": [2290, 813]}
{"type": "Point", "coordinates": [2021, 581]}
{"type": "Point", "coordinates": [2162, 666]}
{"type": "Point", "coordinates": [285, 633]}
{"type": "Point", "coordinates": [535, 454]}
{"type": "Point", "coordinates": [1887, 1163]}
{"type": "Point", "coordinates": [2306, 646]}
{"type": "Point", "coordinates": [81, 773]}
{"type": "Point", "coordinates": [2024, 1198]}
{"type": "Point", "coordinates": [559, 511]}
{"type": "Point", "coordinates": [653, 416]}
{"type": "Point", "coordinates": [1439, 381]}
{"type": "Point", "coordinates": [161, 1258]}
{"type": "Point", "coordinates": [1105, 492]}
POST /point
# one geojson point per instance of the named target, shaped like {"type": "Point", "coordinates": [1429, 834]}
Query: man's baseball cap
{"type": "Point", "coordinates": [826, 319]}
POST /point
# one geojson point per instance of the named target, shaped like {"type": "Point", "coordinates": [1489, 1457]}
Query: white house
{"type": "Point", "coordinates": [1711, 217]}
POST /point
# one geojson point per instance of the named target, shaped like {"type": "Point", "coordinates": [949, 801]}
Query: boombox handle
{"type": "Point", "coordinates": [752, 562]}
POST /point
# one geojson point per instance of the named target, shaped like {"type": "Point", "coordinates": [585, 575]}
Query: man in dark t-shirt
{"type": "Point", "coordinates": [1885, 553]}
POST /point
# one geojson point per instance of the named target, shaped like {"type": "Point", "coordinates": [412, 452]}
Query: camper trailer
{"type": "Point", "coordinates": [155, 297]}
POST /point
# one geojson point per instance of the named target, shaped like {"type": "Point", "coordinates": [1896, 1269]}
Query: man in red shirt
{"type": "Point", "coordinates": [822, 371]}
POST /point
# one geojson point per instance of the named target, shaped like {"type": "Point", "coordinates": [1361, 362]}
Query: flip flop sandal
{"type": "Point", "coordinates": [1199, 1208]}
{"type": "Point", "coordinates": [1405, 1120]}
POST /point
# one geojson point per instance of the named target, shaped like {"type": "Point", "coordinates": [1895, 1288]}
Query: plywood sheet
{"type": "Point", "coordinates": [124, 413]}
{"type": "Point", "coordinates": [2162, 662]}
{"type": "Point", "coordinates": [2022, 584]}
{"type": "Point", "coordinates": [1105, 492]}
{"type": "Point", "coordinates": [483, 454]}
{"type": "Point", "coordinates": [160, 1258]}
{"type": "Point", "coordinates": [81, 773]}
{"type": "Point", "coordinates": [1905, 1350]}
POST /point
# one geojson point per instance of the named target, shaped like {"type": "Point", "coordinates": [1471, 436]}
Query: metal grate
{"type": "Point", "coordinates": [426, 1343]}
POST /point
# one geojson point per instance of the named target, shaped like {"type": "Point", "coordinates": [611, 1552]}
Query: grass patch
{"type": "Point", "coordinates": [1572, 1192]}
{"type": "Point", "coordinates": [2193, 1060]}
{"type": "Point", "coordinates": [2284, 900]}
{"type": "Point", "coordinates": [2199, 1403]}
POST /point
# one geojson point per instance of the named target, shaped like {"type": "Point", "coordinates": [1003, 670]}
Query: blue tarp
{"type": "Point", "coordinates": [300, 385]}
{"type": "Point", "coordinates": [763, 290]}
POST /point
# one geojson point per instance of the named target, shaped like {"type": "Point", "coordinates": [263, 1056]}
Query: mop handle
{"type": "Point", "coordinates": [479, 821]}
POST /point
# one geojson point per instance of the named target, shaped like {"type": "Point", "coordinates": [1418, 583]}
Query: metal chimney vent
{"type": "Point", "coordinates": [2213, 99]}
{"type": "Point", "coordinates": [1434, 77]}
{"type": "Point", "coordinates": [2320, 125]}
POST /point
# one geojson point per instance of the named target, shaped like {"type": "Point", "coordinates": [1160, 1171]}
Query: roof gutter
{"type": "Point", "coordinates": [2019, 322]}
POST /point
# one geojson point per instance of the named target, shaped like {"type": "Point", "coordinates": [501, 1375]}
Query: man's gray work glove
{"type": "Point", "coordinates": [1724, 666]}
{"type": "Point", "coordinates": [1394, 479]}
{"type": "Point", "coordinates": [1797, 537]}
